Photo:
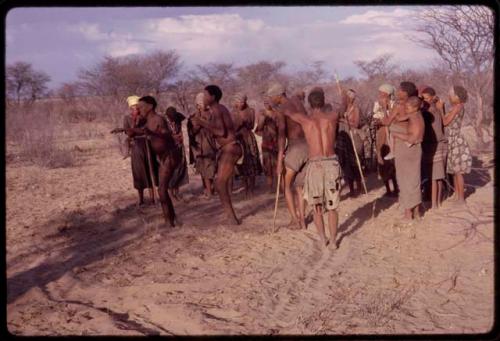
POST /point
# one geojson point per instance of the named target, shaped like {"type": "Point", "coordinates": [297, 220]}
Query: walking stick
{"type": "Point", "coordinates": [352, 140]}
{"type": "Point", "coordinates": [150, 166]}
{"type": "Point", "coordinates": [276, 203]}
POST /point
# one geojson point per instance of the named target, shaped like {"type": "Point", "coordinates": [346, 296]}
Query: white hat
{"type": "Point", "coordinates": [275, 89]}
{"type": "Point", "coordinates": [132, 100]}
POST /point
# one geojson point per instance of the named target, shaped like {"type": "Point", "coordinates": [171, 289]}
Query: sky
{"type": "Point", "coordinates": [61, 41]}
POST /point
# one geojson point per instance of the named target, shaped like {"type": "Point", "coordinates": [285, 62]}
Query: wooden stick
{"type": "Point", "coordinates": [357, 160]}
{"type": "Point", "coordinates": [150, 164]}
{"type": "Point", "coordinates": [276, 202]}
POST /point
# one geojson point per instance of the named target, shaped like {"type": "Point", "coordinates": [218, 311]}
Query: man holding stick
{"type": "Point", "coordinates": [163, 145]}
{"type": "Point", "coordinates": [141, 168]}
{"type": "Point", "coordinates": [296, 151]}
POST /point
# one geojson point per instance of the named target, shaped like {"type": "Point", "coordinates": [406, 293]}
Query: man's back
{"type": "Point", "coordinates": [320, 130]}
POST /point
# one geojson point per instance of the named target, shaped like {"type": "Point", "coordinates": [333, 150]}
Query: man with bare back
{"type": "Point", "coordinates": [230, 151]}
{"type": "Point", "coordinates": [322, 180]}
{"type": "Point", "coordinates": [296, 150]}
{"type": "Point", "coordinates": [163, 145]}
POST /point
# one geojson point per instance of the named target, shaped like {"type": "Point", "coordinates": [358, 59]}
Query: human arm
{"type": "Point", "coordinates": [261, 118]}
{"type": "Point", "coordinates": [216, 127]}
{"type": "Point", "coordinates": [281, 124]}
{"type": "Point", "coordinates": [448, 118]}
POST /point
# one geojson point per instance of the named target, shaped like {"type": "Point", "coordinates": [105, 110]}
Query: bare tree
{"type": "Point", "coordinates": [159, 68]}
{"type": "Point", "coordinates": [255, 78]}
{"type": "Point", "coordinates": [23, 82]}
{"type": "Point", "coordinates": [131, 74]}
{"type": "Point", "coordinates": [463, 38]}
{"type": "Point", "coordinates": [380, 66]}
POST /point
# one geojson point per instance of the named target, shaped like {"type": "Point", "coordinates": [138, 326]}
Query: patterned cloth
{"type": "Point", "coordinates": [459, 155]}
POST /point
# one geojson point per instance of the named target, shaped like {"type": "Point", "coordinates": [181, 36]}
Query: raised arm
{"type": "Point", "coordinates": [298, 117]}
{"type": "Point", "coordinates": [261, 119]}
{"type": "Point", "coordinates": [448, 118]}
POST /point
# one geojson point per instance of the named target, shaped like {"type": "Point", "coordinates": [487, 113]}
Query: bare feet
{"type": "Point", "coordinates": [233, 221]}
{"type": "Point", "coordinates": [292, 225]}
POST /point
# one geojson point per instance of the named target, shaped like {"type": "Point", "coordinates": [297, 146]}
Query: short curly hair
{"type": "Point", "coordinates": [460, 92]}
{"type": "Point", "coordinates": [409, 88]}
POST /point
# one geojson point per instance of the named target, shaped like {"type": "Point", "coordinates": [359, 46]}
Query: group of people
{"type": "Point", "coordinates": [419, 142]}
{"type": "Point", "coordinates": [312, 150]}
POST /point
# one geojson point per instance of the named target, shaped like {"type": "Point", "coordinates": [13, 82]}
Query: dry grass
{"type": "Point", "coordinates": [43, 133]}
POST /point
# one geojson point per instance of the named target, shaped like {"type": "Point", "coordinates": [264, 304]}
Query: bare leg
{"type": "Point", "coordinates": [416, 212]}
{"type": "Point", "coordinates": [459, 186]}
{"type": "Point", "coordinates": [252, 184]}
{"type": "Point", "coordinates": [302, 206]}
{"type": "Point", "coordinates": [165, 173]}
{"type": "Point", "coordinates": [140, 192]}
{"type": "Point", "coordinates": [439, 192]}
{"type": "Point", "coordinates": [318, 221]}
{"type": "Point", "coordinates": [289, 196]}
{"type": "Point", "coordinates": [408, 214]}
{"type": "Point", "coordinates": [434, 193]}
{"type": "Point", "coordinates": [270, 183]}
{"type": "Point", "coordinates": [151, 194]}
{"type": "Point", "coordinates": [333, 220]}
{"type": "Point", "coordinates": [387, 188]}
{"type": "Point", "coordinates": [395, 184]}
{"type": "Point", "coordinates": [223, 181]}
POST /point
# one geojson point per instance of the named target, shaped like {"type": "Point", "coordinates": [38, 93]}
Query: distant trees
{"type": "Point", "coordinates": [463, 38]}
{"type": "Point", "coordinates": [23, 82]}
{"type": "Point", "coordinates": [122, 76]}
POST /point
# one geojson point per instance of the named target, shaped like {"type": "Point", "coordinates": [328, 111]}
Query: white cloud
{"type": "Point", "coordinates": [232, 38]}
{"type": "Point", "coordinates": [374, 17]}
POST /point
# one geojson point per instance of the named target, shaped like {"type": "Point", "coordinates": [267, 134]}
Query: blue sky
{"type": "Point", "coordinates": [60, 41]}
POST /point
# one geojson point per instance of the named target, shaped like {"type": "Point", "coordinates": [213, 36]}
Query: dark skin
{"type": "Point", "coordinates": [458, 178]}
{"type": "Point", "coordinates": [162, 144]}
{"type": "Point", "coordinates": [414, 134]}
{"type": "Point", "coordinates": [437, 185]}
{"type": "Point", "coordinates": [204, 114]}
{"type": "Point", "coordinates": [382, 135]}
{"type": "Point", "coordinates": [177, 135]}
{"type": "Point", "coordinates": [223, 130]}
{"type": "Point", "coordinates": [320, 133]}
{"type": "Point", "coordinates": [134, 113]}
{"type": "Point", "coordinates": [264, 125]}
{"type": "Point", "coordinates": [244, 118]}
{"type": "Point", "coordinates": [291, 130]}
{"type": "Point", "coordinates": [353, 122]}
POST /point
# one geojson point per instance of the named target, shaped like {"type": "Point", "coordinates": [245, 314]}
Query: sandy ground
{"type": "Point", "coordinates": [82, 259]}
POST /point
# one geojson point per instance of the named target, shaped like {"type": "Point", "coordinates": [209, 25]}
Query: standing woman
{"type": "Point", "coordinates": [138, 152]}
{"type": "Point", "coordinates": [459, 160]}
{"type": "Point", "coordinates": [180, 175]}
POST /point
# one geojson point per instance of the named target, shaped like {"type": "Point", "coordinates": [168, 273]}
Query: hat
{"type": "Point", "coordinates": [240, 97]}
{"type": "Point", "coordinates": [132, 100]}
{"type": "Point", "coordinates": [387, 88]}
{"type": "Point", "coordinates": [275, 89]}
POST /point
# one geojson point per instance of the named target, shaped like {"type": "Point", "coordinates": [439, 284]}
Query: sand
{"type": "Point", "coordinates": [84, 260]}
